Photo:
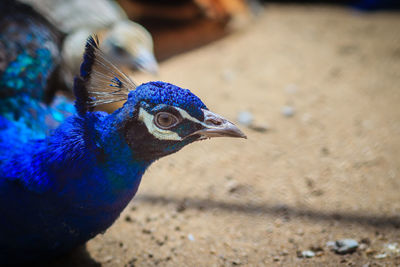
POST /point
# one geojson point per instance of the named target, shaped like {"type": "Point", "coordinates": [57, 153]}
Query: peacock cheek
{"type": "Point", "coordinates": [172, 148]}
{"type": "Point", "coordinates": [185, 128]}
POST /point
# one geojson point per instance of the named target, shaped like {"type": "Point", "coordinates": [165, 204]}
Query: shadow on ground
{"type": "Point", "coordinates": [80, 257]}
{"type": "Point", "coordinates": [285, 211]}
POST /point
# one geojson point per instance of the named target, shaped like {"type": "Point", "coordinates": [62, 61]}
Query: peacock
{"type": "Point", "coordinates": [125, 42]}
{"type": "Point", "coordinates": [64, 181]}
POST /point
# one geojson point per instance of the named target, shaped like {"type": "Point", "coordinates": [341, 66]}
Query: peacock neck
{"type": "Point", "coordinates": [120, 166]}
{"type": "Point", "coordinates": [107, 175]}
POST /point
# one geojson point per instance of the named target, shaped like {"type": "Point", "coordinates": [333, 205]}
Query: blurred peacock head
{"type": "Point", "coordinates": [157, 118]}
{"type": "Point", "coordinates": [131, 45]}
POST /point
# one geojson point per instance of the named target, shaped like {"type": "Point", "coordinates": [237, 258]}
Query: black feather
{"type": "Point", "coordinates": [80, 83]}
{"type": "Point", "coordinates": [89, 57]}
{"type": "Point", "coordinates": [82, 96]}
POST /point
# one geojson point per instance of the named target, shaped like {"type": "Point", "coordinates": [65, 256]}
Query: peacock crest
{"type": "Point", "coordinates": [103, 82]}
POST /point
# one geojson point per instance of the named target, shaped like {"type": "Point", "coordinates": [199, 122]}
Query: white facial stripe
{"type": "Point", "coordinates": [158, 133]}
{"type": "Point", "coordinates": [186, 115]}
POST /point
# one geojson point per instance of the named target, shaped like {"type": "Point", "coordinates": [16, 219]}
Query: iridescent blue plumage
{"type": "Point", "coordinates": [169, 94]}
{"type": "Point", "coordinates": [59, 189]}
{"type": "Point", "coordinates": [29, 57]}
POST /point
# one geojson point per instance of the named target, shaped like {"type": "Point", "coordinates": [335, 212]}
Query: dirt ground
{"type": "Point", "coordinates": [330, 171]}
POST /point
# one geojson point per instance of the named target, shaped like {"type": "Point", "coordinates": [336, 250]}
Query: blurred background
{"type": "Point", "coordinates": [315, 86]}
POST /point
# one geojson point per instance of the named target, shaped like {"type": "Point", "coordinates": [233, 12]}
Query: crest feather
{"type": "Point", "coordinates": [103, 82]}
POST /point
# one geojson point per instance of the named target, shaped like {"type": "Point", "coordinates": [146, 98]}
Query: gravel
{"type": "Point", "coordinates": [245, 118]}
{"type": "Point", "coordinates": [307, 254]}
{"type": "Point", "coordinates": [191, 237]}
{"type": "Point", "coordinates": [343, 246]}
{"type": "Point", "coordinates": [288, 111]}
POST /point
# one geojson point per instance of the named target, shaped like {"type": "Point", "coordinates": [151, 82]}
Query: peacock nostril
{"type": "Point", "coordinates": [214, 121]}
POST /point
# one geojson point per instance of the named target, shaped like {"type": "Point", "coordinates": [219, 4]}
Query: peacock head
{"type": "Point", "coordinates": [168, 118]}
{"type": "Point", "coordinates": [131, 45]}
{"type": "Point", "coordinates": [157, 118]}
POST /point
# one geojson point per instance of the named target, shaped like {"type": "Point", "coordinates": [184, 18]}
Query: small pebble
{"type": "Point", "coordinates": [191, 237]}
{"type": "Point", "coordinates": [330, 244]}
{"type": "Point", "coordinates": [363, 246]}
{"type": "Point", "coordinates": [181, 207]}
{"type": "Point", "coordinates": [325, 151]}
{"type": "Point", "coordinates": [232, 186]}
{"type": "Point", "coordinates": [370, 251]}
{"type": "Point", "coordinates": [288, 111]}
{"type": "Point", "coordinates": [146, 231]}
{"type": "Point", "coordinates": [245, 118]}
{"type": "Point", "coordinates": [261, 128]}
{"type": "Point", "coordinates": [345, 246]}
{"type": "Point", "coordinates": [132, 262]}
{"type": "Point", "coordinates": [284, 253]}
{"type": "Point", "coordinates": [236, 262]}
{"type": "Point", "coordinates": [392, 248]}
{"type": "Point", "coordinates": [380, 256]}
{"type": "Point", "coordinates": [307, 254]}
{"type": "Point", "coordinates": [319, 253]}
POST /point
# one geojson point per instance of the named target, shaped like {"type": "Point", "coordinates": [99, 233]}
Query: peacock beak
{"type": "Point", "coordinates": [217, 126]}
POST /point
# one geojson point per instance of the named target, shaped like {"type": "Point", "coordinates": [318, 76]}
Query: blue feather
{"type": "Point", "coordinates": [30, 53]}
{"type": "Point", "coordinates": [169, 94]}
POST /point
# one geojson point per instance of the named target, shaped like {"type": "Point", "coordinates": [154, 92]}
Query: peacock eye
{"type": "Point", "coordinates": [119, 50]}
{"type": "Point", "coordinates": [165, 120]}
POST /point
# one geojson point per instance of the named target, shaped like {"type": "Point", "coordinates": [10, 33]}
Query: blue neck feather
{"type": "Point", "coordinates": [89, 182]}
{"type": "Point", "coordinates": [75, 159]}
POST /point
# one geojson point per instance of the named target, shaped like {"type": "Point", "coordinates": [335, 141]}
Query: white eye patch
{"type": "Point", "coordinates": [158, 133]}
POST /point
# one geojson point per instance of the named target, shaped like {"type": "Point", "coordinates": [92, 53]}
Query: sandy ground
{"type": "Point", "coordinates": [329, 172]}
